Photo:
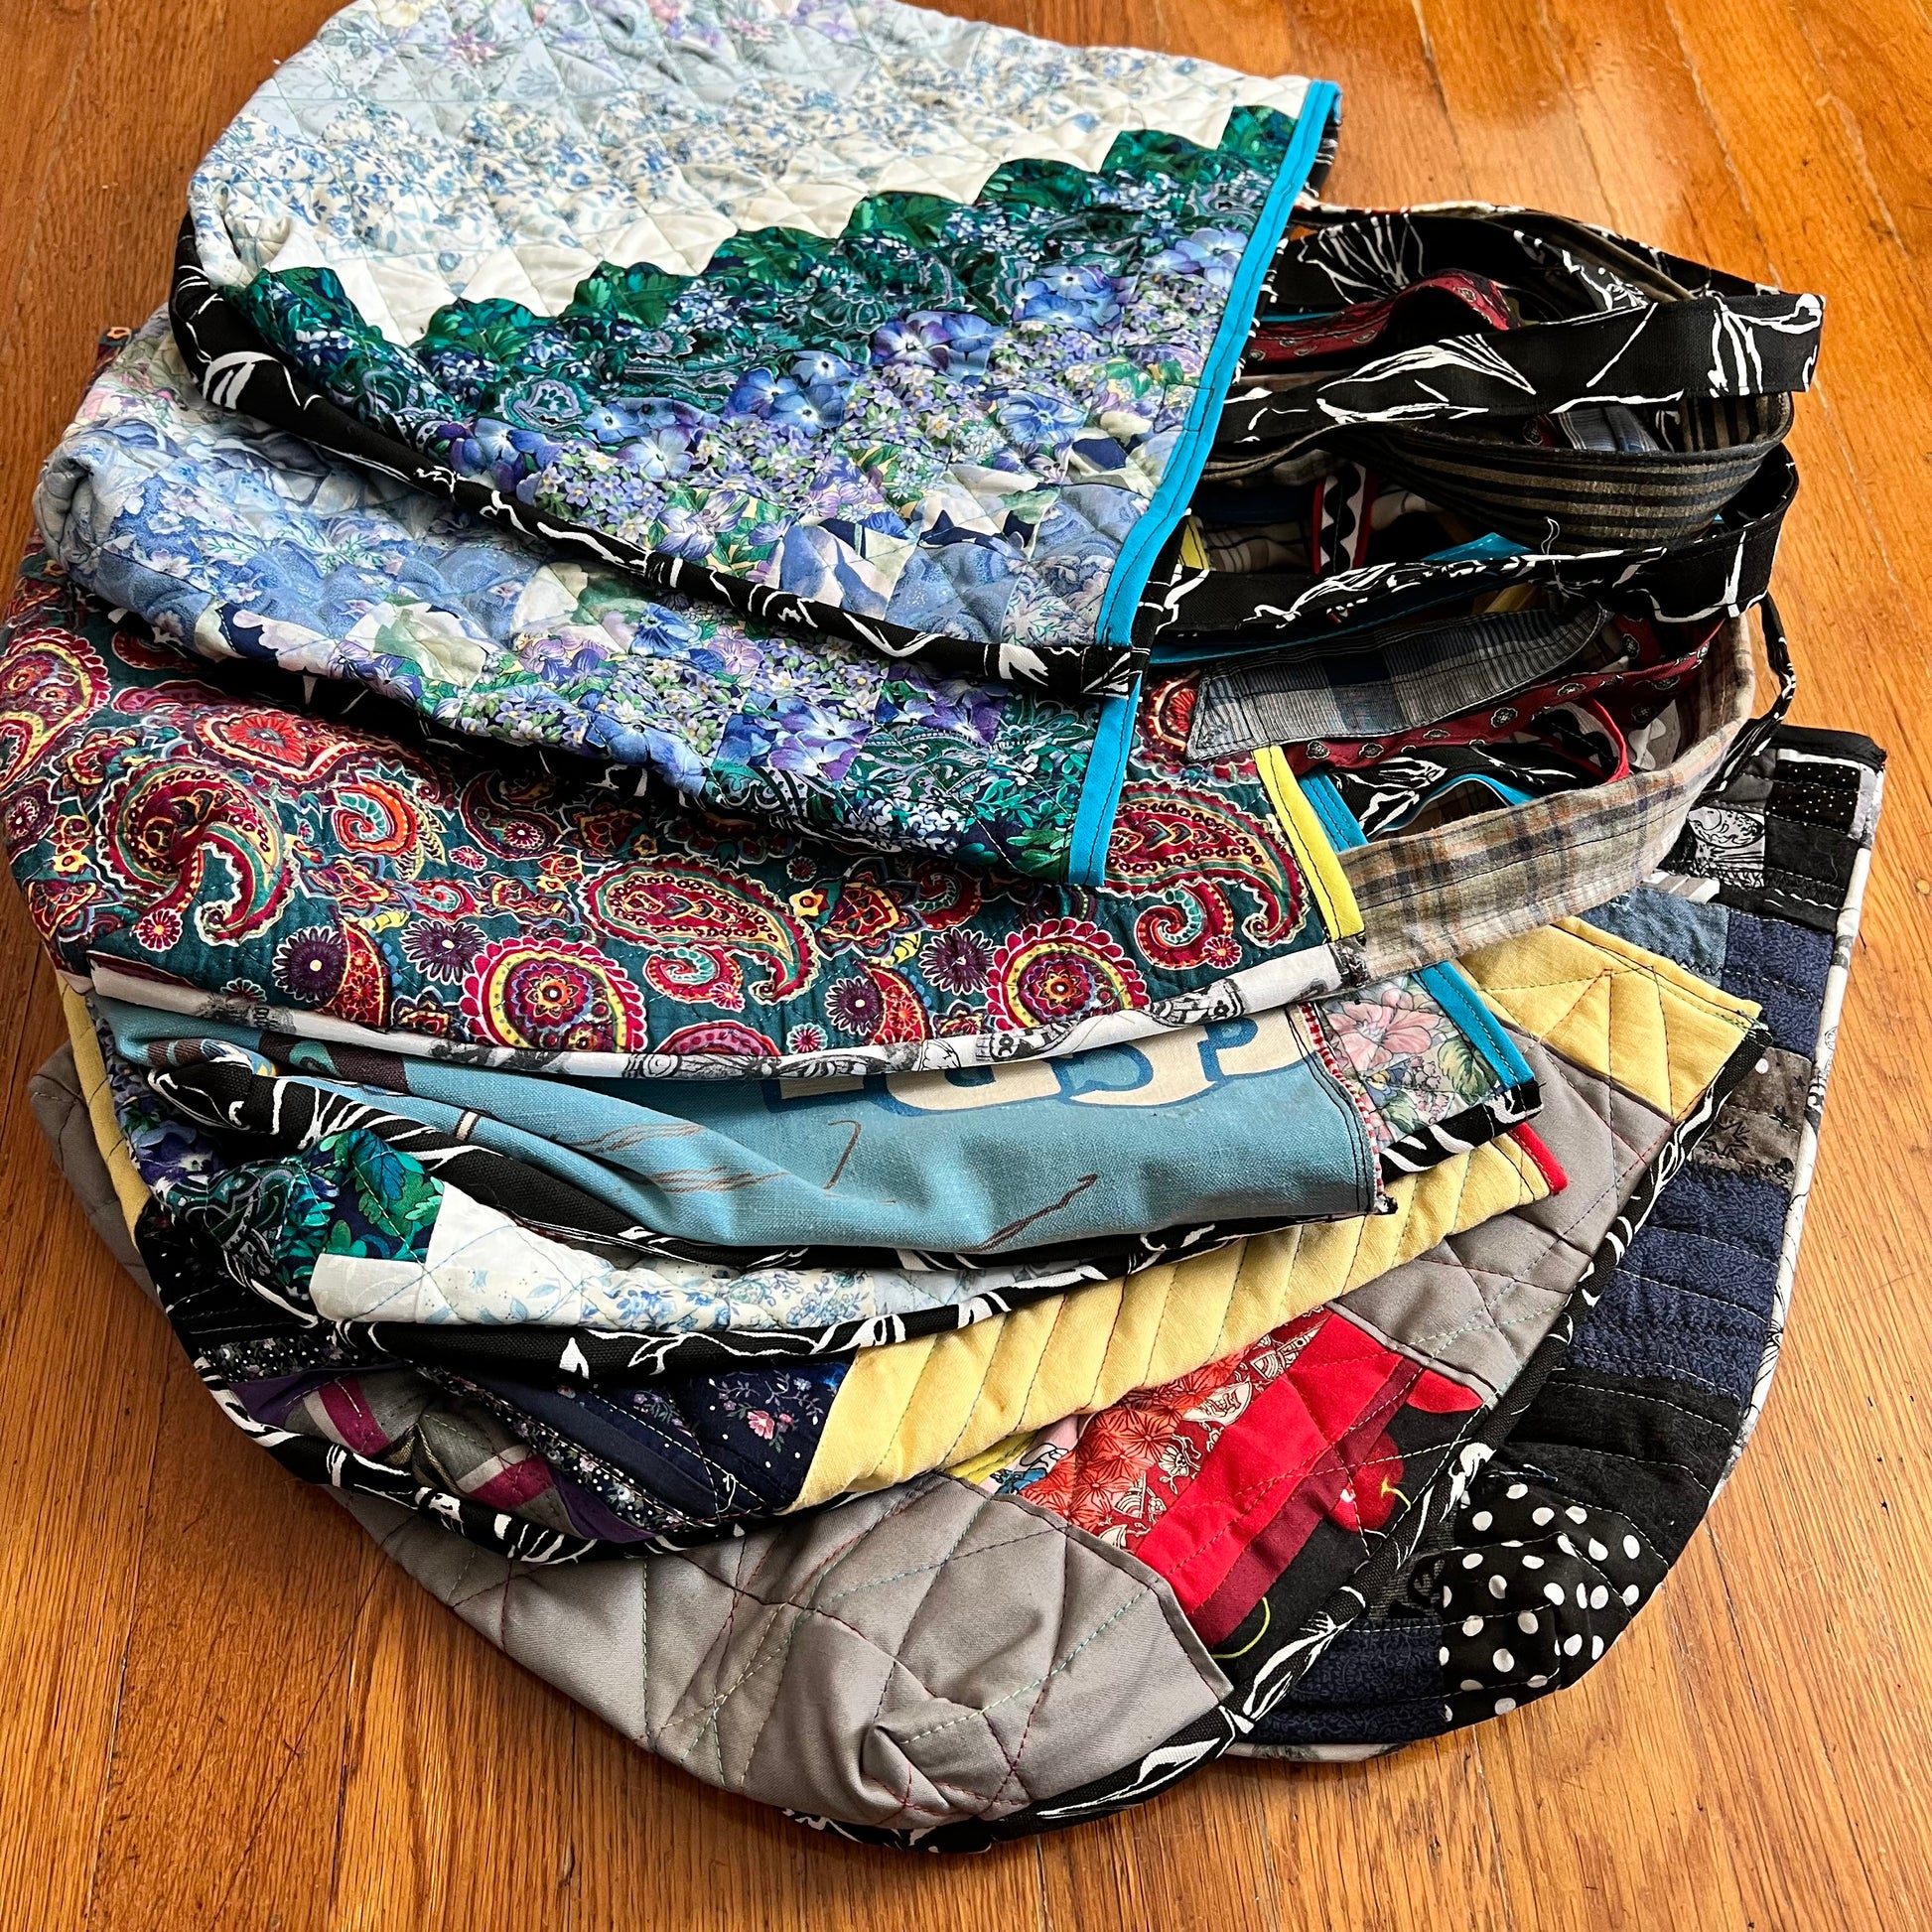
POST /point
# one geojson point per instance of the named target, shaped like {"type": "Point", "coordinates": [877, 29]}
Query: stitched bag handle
{"type": "Point", "coordinates": [1441, 892]}
{"type": "Point", "coordinates": [1611, 321]}
{"type": "Point", "coordinates": [1721, 571]}
{"type": "Point", "coordinates": [1667, 353]}
{"type": "Point", "coordinates": [1561, 266]}
{"type": "Point", "coordinates": [1756, 735]}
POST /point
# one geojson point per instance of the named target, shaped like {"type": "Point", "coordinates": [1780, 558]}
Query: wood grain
{"type": "Point", "coordinates": [224, 1708]}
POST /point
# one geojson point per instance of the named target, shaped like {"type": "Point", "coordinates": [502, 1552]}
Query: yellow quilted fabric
{"type": "Point", "coordinates": [928, 1404]}
{"type": "Point", "coordinates": [1607, 1007]}
{"type": "Point", "coordinates": [1603, 1004]}
{"type": "Point", "coordinates": [129, 1189]}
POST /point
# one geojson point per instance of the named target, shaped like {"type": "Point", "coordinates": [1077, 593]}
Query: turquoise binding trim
{"type": "Point", "coordinates": [1093, 823]}
{"type": "Point", "coordinates": [1464, 1004]}
{"type": "Point", "coordinates": [1446, 983]}
{"type": "Point", "coordinates": [1178, 485]}
{"type": "Point", "coordinates": [1336, 819]}
{"type": "Point", "coordinates": [1491, 545]}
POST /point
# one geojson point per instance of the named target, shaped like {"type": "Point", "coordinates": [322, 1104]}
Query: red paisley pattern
{"type": "Point", "coordinates": [1059, 971]}
{"type": "Point", "coordinates": [554, 995]}
{"type": "Point", "coordinates": [703, 918]}
{"type": "Point", "coordinates": [163, 827]}
{"type": "Point", "coordinates": [1189, 849]}
{"type": "Point", "coordinates": [49, 682]}
{"type": "Point", "coordinates": [166, 816]}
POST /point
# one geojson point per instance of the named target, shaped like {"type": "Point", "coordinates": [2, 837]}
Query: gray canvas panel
{"type": "Point", "coordinates": [1477, 1304]}
{"type": "Point", "coordinates": [916, 1656]}
{"type": "Point", "coordinates": [61, 1110]}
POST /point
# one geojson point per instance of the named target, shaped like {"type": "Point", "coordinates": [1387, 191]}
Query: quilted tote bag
{"type": "Point", "coordinates": [242, 541]}
{"type": "Point", "coordinates": [1610, 1457]}
{"type": "Point", "coordinates": [871, 322]}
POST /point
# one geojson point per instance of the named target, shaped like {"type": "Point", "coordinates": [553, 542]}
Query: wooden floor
{"type": "Point", "coordinates": [218, 1706]}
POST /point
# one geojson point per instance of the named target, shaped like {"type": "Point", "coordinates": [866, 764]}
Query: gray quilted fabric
{"type": "Point", "coordinates": [917, 1656]}
{"type": "Point", "coordinates": [61, 1110]}
{"type": "Point", "coordinates": [1478, 1303]}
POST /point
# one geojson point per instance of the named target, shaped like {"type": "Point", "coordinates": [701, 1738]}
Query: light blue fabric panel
{"type": "Point", "coordinates": [1222, 1123]}
{"type": "Point", "coordinates": [1680, 929]}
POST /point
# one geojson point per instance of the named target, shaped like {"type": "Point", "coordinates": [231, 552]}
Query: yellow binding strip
{"type": "Point", "coordinates": [129, 1189]}
{"type": "Point", "coordinates": [1321, 867]}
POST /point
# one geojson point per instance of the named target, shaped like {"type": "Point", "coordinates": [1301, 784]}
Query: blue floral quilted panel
{"type": "Point", "coordinates": [866, 320]}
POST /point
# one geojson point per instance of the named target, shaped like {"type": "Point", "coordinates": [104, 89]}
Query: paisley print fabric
{"type": "Point", "coordinates": [183, 845]}
{"type": "Point", "coordinates": [235, 539]}
{"type": "Point", "coordinates": [864, 321]}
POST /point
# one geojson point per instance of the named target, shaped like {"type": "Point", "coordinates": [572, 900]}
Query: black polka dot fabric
{"type": "Point", "coordinates": [1534, 1604]}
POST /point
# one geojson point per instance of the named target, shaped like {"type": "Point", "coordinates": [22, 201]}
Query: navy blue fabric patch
{"type": "Point", "coordinates": [1782, 967]}
{"type": "Point", "coordinates": [1693, 1297]}
{"type": "Point", "coordinates": [1378, 1683]}
{"type": "Point", "coordinates": [708, 1448]}
{"type": "Point", "coordinates": [1406, 1723]}
{"type": "Point", "coordinates": [1371, 1662]}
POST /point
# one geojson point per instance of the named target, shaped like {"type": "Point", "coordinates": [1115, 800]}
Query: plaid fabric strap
{"type": "Point", "coordinates": [1439, 894]}
{"type": "Point", "coordinates": [1383, 689]}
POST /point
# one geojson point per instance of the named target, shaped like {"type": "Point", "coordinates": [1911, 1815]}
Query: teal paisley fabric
{"type": "Point", "coordinates": [665, 281]}
{"type": "Point", "coordinates": [235, 539]}
{"type": "Point", "coordinates": [201, 846]}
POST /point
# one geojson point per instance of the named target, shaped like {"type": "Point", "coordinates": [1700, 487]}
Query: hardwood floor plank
{"type": "Point", "coordinates": [78, 1468]}
{"type": "Point", "coordinates": [233, 1708]}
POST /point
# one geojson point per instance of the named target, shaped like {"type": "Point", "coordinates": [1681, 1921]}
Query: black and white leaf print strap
{"type": "Point", "coordinates": [1755, 738]}
{"type": "Point", "coordinates": [1602, 320]}
{"type": "Point", "coordinates": [1721, 572]}
{"type": "Point", "coordinates": [1552, 263]}
{"type": "Point", "coordinates": [1670, 352]}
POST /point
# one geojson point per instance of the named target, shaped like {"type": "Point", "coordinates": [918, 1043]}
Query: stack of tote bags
{"type": "Point", "coordinates": [953, 944]}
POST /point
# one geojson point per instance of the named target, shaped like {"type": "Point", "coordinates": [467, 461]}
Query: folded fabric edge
{"type": "Point", "coordinates": [1320, 107]}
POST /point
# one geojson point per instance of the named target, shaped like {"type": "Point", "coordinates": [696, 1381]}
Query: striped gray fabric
{"type": "Point", "coordinates": [1441, 894]}
{"type": "Point", "coordinates": [1585, 498]}
{"type": "Point", "coordinates": [1378, 690]}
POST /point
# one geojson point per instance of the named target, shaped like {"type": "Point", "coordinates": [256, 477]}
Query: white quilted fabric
{"type": "Point", "coordinates": [429, 149]}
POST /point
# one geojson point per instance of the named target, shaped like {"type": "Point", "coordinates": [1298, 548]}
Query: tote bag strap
{"type": "Point", "coordinates": [1435, 894]}
{"type": "Point", "coordinates": [1721, 572]}
{"type": "Point", "coordinates": [1664, 353]}
{"type": "Point", "coordinates": [1557, 264]}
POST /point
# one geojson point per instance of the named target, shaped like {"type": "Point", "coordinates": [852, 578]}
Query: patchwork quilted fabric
{"type": "Point", "coordinates": [714, 970]}
{"type": "Point", "coordinates": [861, 317]}
{"type": "Point", "coordinates": [850, 1672]}
{"type": "Point", "coordinates": [1470, 882]}
{"type": "Point", "coordinates": [235, 539]}
{"type": "Point", "coordinates": [551, 1626]}
{"type": "Point", "coordinates": [637, 1450]}
{"type": "Point", "coordinates": [1526, 1579]}
{"type": "Point", "coordinates": [1448, 1366]}
{"type": "Point", "coordinates": [1277, 1491]}
{"type": "Point", "coordinates": [235, 854]}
